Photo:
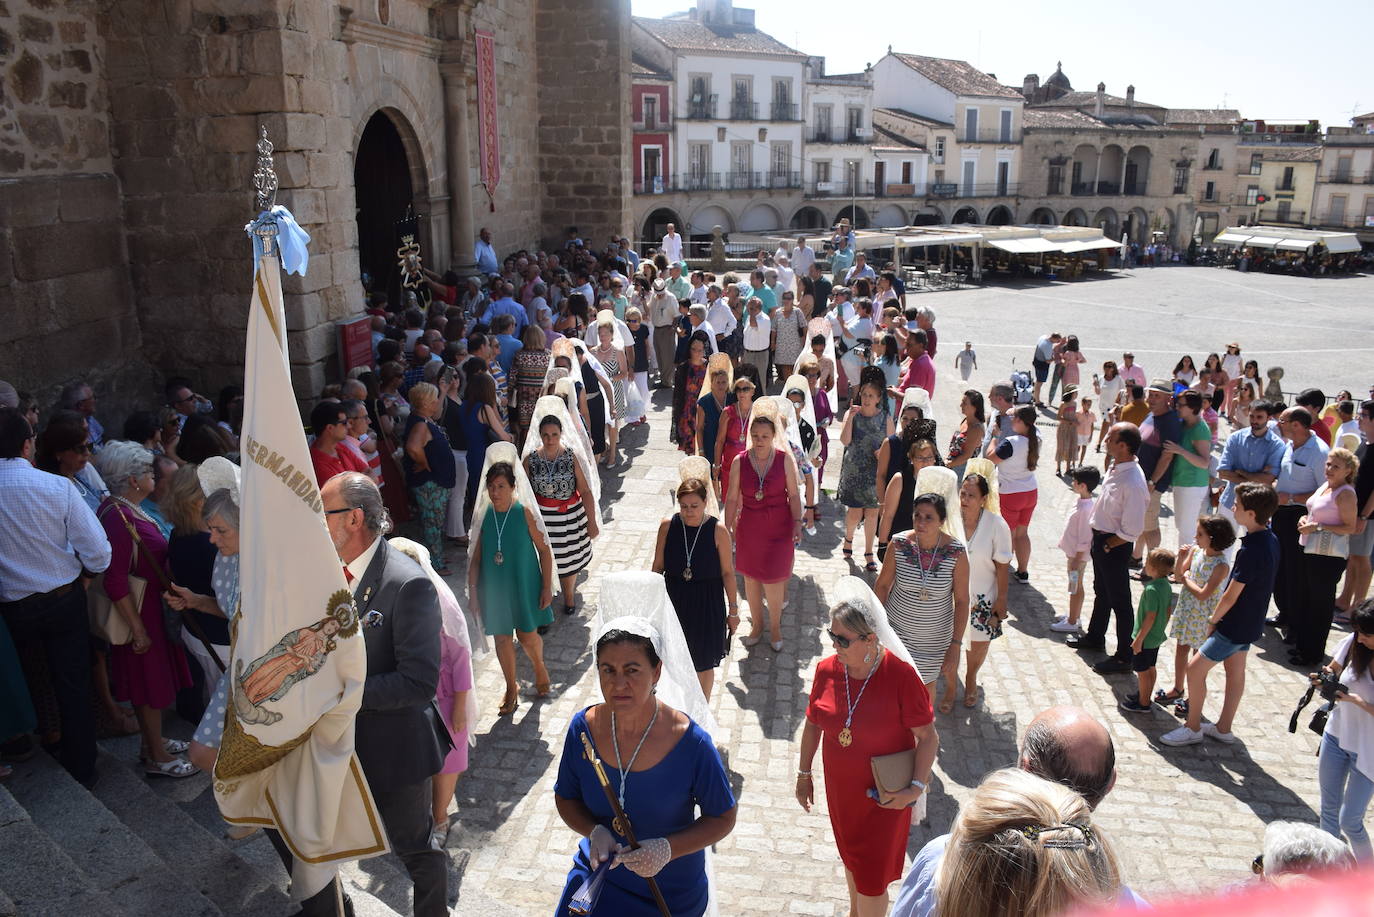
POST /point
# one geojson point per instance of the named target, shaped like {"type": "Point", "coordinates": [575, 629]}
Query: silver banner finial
{"type": "Point", "coordinates": [264, 176]}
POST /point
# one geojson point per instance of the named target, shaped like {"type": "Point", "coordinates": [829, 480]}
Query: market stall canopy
{"type": "Point", "coordinates": [930, 238]}
{"type": "Point", "coordinates": [1033, 245]}
{"type": "Point", "coordinates": [1288, 239]}
{"type": "Point", "coordinates": [1085, 245]}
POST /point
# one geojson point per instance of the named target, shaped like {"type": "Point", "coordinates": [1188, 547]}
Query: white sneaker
{"type": "Point", "coordinates": [1181, 736]}
{"type": "Point", "coordinates": [1064, 627]}
{"type": "Point", "coordinates": [1212, 732]}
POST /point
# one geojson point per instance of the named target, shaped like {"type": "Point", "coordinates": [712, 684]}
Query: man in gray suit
{"type": "Point", "coordinates": [397, 739]}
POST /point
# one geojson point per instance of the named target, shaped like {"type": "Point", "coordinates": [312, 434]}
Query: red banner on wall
{"type": "Point", "coordinates": [489, 138]}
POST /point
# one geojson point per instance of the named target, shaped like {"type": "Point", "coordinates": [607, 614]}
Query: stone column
{"type": "Point", "coordinates": [462, 237]}
{"type": "Point", "coordinates": [1097, 171]}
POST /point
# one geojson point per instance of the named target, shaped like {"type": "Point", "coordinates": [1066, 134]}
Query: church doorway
{"type": "Point", "coordinates": [384, 196]}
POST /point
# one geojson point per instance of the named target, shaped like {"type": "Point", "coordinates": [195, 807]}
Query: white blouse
{"type": "Point", "coordinates": [1351, 727]}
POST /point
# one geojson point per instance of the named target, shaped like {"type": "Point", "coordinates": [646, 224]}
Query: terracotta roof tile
{"type": "Point", "coordinates": [690, 35]}
{"type": "Point", "coordinates": [1298, 154]}
{"type": "Point", "coordinates": [959, 77]}
{"type": "Point", "coordinates": [1035, 117]}
{"type": "Point", "coordinates": [1201, 116]}
{"type": "Point", "coordinates": [1089, 99]}
{"type": "Point", "coordinates": [915, 118]}
{"type": "Point", "coordinates": [642, 68]}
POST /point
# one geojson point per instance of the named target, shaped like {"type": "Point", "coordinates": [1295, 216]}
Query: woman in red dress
{"type": "Point", "coordinates": [866, 701]}
{"type": "Point", "coordinates": [763, 511]}
{"type": "Point", "coordinates": [730, 437]}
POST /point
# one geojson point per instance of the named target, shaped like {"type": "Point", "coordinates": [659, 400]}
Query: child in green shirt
{"type": "Point", "coordinates": [1151, 625]}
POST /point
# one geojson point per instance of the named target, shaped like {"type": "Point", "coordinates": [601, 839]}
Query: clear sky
{"type": "Point", "coordinates": [1271, 59]}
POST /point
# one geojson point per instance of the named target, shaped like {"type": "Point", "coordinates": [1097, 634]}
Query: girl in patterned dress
{"type": "Point", "coordinates": [611, 353]}
{"type": "Point", "coordinates": [1202, 571]}
{"type": "Point", "coordinates": [924, 586]}
{"type": "Point", "coordinates": [565, 499]}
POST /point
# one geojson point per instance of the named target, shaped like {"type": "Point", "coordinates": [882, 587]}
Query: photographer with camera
{"type": "Point", "coordinates": [1346, 768]}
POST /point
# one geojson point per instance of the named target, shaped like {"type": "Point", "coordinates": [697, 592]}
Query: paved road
{"type": "Point", "coordinates": [1185, 819]}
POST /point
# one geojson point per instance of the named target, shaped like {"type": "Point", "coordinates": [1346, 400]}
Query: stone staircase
{"type": "Point", "coordinates": [137, 846]}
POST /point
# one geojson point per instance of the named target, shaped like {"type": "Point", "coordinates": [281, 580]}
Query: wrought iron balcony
{"type": "Point", "coordinates": [784, 111]}
{"type": "Point", "coordinates": [743, 110]}
{"type": "Point", "coordinates": [990, 135]}
{"type": "Point", "coordinates": [702, 109]}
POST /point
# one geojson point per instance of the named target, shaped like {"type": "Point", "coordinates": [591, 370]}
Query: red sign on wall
{"type": "Point", "coordinates": [355, 343]}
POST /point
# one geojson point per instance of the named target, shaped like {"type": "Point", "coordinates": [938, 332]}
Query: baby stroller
{"type": "Point", "coordinates": [1021, 385]}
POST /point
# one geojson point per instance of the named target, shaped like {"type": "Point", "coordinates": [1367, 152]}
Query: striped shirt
{"type": "Point", "coordinates": [47, 532]}
{"type": "Point", "coordinates": [920, 606]}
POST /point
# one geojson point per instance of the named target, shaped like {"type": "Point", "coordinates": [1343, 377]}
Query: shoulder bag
{"type": "Point", "coordinates": [106, 621]}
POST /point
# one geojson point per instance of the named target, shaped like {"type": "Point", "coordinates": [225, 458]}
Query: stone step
{"type": "Point", "coordinates": [193, 800]}
{"type": "Point", "coordinates": [36, 875]}
{"type": "Point", "coordinates": [117, 862]}
{"type": "Point", "coordinates": [235, 886]}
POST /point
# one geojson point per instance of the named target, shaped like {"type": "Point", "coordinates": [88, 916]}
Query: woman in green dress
{"type": "Point", "coordinates": [511, 569]}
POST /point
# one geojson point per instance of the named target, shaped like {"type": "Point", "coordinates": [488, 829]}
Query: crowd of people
{"type": "Point", "coordinates": [492, 413]}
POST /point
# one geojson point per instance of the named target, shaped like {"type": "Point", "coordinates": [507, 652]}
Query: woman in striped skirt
{"type": "Point", "coordinates": [565, 498]}
{"type": "Point", "coordinates": [924, 586]}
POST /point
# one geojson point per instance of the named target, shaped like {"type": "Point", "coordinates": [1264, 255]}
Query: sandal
{"type": "Point", "coordinates": [848, 549]}
{"type": "Point", "coordinates": [870, 564]}
{"type": "Point", "coordinates": [970, 700]}
{"type": "Point", "coordinates": [508, 705]}
{"type": "Point", "coordinates": [541, 690]}
{"type": "Point", "coordinates": [752, 639]}
{"type": "Point", "coordinates": [176, 768]}
{"type": "Point", "coordinates": [1165, 698]}
{"type": "Point", "coordinates": [947, 704]}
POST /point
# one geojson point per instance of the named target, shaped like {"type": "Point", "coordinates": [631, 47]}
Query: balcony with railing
{"type": "Point", "coordinates": [990, 135]}
{"type": "Point", "coordinates": [743, 110]}
{"type": "Point", "coordinates": [720, 181]}
{"type": "Point", "coordinates": [702, 109]}
{"type": "Point", "coordinates": [1280, 215]}
{"type": "Point", "coordinates": [1213, 166]}
{"type": "Point", "coordinates": [837, 135]}
{"type": "Point", "coordinates": [840, 188]}
{"type": "Point", "coordinates": [784, 111]}
{"type": "Point", "coordinates": [1343, 220]}
{"type": "Point", "coordinates": [656, 124]}
{"type": "Point", "coordinates": [1108, 189]}
{"type": "Point", "coordinates": [1347, 177]}
{"type": "Point", "coordinates": [988, 189]}
{"type": "Point", "coordinates": [1306, 139]}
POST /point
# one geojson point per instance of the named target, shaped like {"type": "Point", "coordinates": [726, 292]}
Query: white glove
{"type": "Point", "coordinates": [601, 845]}
{"type": "Point", "coordinates": [649, 859]}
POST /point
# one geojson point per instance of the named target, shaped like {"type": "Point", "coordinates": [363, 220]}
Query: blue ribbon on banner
{"type": "Point", "coordinates": [291, 239]}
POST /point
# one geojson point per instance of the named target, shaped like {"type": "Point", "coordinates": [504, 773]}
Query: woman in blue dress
{"type": "Point", "coordinates": [661, 763]}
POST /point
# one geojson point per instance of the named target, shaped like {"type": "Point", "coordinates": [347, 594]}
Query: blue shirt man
{"type": "Point", "coordinates": [484, 254]}
{"type": "Point", "coordinates": [507, 305]}
{"type": "Point", "coordinates": [1303, 466]}
{"type": "Point", "coordinates": [841, 260]}
{"type": "Point", "coordinates": [1250, 455]}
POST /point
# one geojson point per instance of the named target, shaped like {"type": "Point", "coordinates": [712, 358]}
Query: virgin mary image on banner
{"type": "Point", "coordinates": [295, 657]}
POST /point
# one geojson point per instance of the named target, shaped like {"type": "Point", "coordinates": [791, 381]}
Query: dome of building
{"type": "Point", "coordinates": [1058, 80]}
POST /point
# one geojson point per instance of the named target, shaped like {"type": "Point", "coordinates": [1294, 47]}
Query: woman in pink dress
{"type": "Point", "coordinates": [730, 437]}
{"type": "Point", "coordinates": [150, 669]}
{"type": "Point", "coordinates": [763, 511]}
{"type": "Point", "coordinates": [454, 695]}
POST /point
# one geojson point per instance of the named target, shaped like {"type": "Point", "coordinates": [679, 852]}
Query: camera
{"type": "Point", "coordinates": [1330, 687]}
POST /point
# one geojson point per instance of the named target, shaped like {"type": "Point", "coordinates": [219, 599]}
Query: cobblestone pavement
{"type": "Point", "coordinates": [1186, 819]}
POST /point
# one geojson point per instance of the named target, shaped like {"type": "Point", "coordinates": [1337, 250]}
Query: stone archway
{"type": "Point", "coordinates": [808, 218]}
{"type": "Point", "coordinates": [857, 217]}
{"type": "Point", "coordinates": [1138, 225]}
{"type": "Point", "coordinates": [1076, 217]}
{"type": "Point", "coordinates": [1000, 216]}
{"type": "Point", "coordinates": [385, 174]}
{"type": "Point", "coordinates": [707, 216]}
{"type": "Point", "coordinates": [1042, 216]}
{"type": "Point", "coordinates": [760, 217]}
{"type": "Point", "coordinates": [929, 215]}
{"type": "Point", "coordinates": [1109, 222]}
{"type": "Point", "coordinates": [891, 215]}
{"type": "Point", "coordinates": [965, 215]}
{"type": "Point", "coordinates": [656, 224]}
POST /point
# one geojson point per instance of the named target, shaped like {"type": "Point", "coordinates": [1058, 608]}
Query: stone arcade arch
{"type": "Point", "coordinates": [965, 215]}
{"type": "Point", "coordinates": [891, 215]}
{"type": "Point", "coordinates": [1137, 225]}
{"type": "Point", "coordinates": [1110, 224]}
{"type": "Point", "coordinates": [710, 215]}
{"type": "Point", "coordinates": [656, 224]}
{"type": "Point", "coordinates": [760, 217]}
{"type": "Point", "coordinates": [1042, 216]}
{"type": "Point", "coordinates": [929, 215]}
{"type": "Point", "coordinates": [388, 178]}
{"type": "Point", "coordinates": [849, 213]}
{"type": "Point", "coordinates": [1000, 216]}
{"type": "Point", "coordinates": [1076, 217]}
{"type": "Point", "coordinates": [808, 218]}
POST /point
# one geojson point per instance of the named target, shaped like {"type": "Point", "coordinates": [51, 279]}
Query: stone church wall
{"type": "Point", "coordinates": [66, 305]}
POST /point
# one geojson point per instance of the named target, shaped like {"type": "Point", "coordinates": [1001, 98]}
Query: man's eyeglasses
{"type": "Point", "coordinates": [346, 509]}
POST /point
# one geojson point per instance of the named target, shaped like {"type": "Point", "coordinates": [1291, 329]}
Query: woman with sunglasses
{"type": "Point", "coordinates": [64, 447]}
{"type": "Point", "coordinates": [867, 701]}
{"type": "Point", "coordinates": [730, 435]}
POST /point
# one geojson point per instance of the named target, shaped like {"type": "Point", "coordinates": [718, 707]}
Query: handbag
{"type": "Point", "coordinates": [1328, 544]}
{"type": "Point", "coordinates": [106, 621]}
{"type": "Point", "coordinates": [892, 774]}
